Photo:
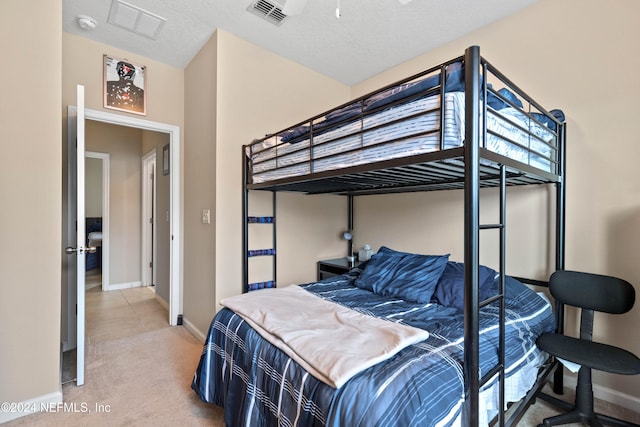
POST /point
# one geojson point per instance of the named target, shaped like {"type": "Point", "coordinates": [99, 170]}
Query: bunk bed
{"type": "Point", "coordinates": [460, 125]}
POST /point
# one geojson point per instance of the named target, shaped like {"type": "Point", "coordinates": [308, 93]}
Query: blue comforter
{"type": "Point", "coordinates": [258, 385]}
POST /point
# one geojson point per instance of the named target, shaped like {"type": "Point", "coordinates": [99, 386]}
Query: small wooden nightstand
{"type": "Point", "coordinates": [334, 267]}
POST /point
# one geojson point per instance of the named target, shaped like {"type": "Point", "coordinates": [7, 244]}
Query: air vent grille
{"type": "Point", "coordinates": [135, 19]}
{"type": "Point", "coordinates": [268, 10]}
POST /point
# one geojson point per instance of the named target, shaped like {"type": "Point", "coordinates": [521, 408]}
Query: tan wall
{"type": "Point", "coordinates": [259, 92]}
{"type": "Point", "coordinates": [83, 64]}
{"type": "Point", "coordinates": [124, 145]}
{"type": "Point", "coordinates": [30, 185]}
{"type": "Point", "coordinates": [200, 185]}
{"type": "Point", "coordinates": [579, 56]}
{"type": "Point", "coordinates": [93, 187]}
{"type": "Point", "coordinates": [236, 92]}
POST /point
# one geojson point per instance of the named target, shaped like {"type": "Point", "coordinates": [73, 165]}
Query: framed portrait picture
{"type": "Point", "coordinates": [124, 85]}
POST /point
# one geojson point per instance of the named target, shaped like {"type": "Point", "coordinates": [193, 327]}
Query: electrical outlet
{"type": "Point", "coordinates": [206, 216]}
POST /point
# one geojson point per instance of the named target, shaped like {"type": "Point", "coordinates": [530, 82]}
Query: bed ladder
{"type": "Point", "coordinates": [251, 253]}
{"type": "Point", "coordinates": [499, 368]}
{"type": "Point", "coordinates": [258, 220]}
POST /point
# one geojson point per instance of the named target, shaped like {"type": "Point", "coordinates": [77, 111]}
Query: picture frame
{"type": "Point", "coordinates": [124, 85]}
{"type": "Point", "coordinates": [165, 160]}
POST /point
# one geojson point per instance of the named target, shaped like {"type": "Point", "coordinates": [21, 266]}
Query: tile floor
{"type": "Point", "coordinates": [116, 314]}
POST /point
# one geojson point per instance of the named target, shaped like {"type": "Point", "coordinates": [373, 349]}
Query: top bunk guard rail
{"type": "Point", "coordinates": [363, 145]}
{"type": "Point", "coordinates": [427, 72]}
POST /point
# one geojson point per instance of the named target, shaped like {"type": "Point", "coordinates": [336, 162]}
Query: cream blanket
{"type": "Point", "coordinates": [330, 341]}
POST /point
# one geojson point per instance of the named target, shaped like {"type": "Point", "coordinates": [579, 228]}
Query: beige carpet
{"type": "Point", "coordinates": [142, 380]}
{"type": "Point", "coordinates": [139, 371]}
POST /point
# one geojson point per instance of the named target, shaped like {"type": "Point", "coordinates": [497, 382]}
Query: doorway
{"type": "Point", "coordinates": [174, 219]}
{"type": "Point", "coordinates": [173, 216]}
{"type": "Point", "coordinates": [74, 302]}
{"type": "Point", "coordinates": [97, 178]}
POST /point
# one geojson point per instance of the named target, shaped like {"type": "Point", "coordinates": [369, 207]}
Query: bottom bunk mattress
{"type": "Point", "coordinates": [421, 384]}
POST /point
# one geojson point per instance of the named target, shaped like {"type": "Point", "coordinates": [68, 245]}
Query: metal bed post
{"type": "Point", "coordinates": [245, 221]}
{"type": "Point", "coordinates": [555, 367]}
{"type": "Point", "coordinates": [501, 294]}
{"type": "Point", "coordinates": [471, 237]}
{"type": "Point", "coordinates": [561, 199]}
{"type": "Point", "coordinates": [350, 224]}
{"type": "Point", "coordinates": [275, 246]}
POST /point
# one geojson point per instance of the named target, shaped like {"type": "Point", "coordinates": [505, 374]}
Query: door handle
{"type": "Point", "coordinates": [71, 250]}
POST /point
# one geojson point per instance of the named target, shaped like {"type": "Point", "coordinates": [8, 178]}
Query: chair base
{"type": "Point", "coordinates": [575, 415]}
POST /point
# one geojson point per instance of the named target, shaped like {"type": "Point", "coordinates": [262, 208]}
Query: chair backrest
{"type": "Point", "coordinates": [592, 291]}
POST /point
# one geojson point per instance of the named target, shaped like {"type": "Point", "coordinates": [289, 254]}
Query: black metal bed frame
{"type": "Point", "coordinates": [452, 168]}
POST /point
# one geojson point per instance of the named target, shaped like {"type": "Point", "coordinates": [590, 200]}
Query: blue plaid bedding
{"type": "Point", "coordinates": [258, 385]}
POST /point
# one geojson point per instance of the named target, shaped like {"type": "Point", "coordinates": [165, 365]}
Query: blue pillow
{"type": "Point", "coordinates": [412, 277]}
{"type": "Point", "coordinates": [450, 288]}
{"type": "Point", "coordinates": [498, 104]}
{"type": "Point", "coordinates": [455, 82]}
{"type": "Point", "coordinates": [296, 135]}
{"type": "Point", "coordinates": [301, 133]}
{"type": "Point", "coordinates": [558, 114]}
{"type": "Point", "coordinates": [350, 110]}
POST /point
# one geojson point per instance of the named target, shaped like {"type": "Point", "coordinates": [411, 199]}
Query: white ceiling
{"type": "Point", "coordinates": [371, 36]}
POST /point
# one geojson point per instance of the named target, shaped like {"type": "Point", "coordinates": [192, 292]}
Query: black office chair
{"type": "Point", "coordinates": [590, 292]}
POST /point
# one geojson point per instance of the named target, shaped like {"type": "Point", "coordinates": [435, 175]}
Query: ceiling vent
{"type": "Point", "coordinates": [135, 19]}
{"type": "Point", "coordinates": [271, 10]}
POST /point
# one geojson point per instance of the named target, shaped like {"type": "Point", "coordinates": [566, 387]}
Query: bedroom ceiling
{"type": "Point", "coordinates": [370, 36]}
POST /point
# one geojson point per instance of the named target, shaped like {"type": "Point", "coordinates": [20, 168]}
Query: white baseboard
{"type": "Point", "coordinates": [193, 330]}
{"type": "Point", "coordinates": [120, 286]}
{"type": "Point", "coordinates": [49, 402]}
{"type": "Point", "coordinates": [607, 394]}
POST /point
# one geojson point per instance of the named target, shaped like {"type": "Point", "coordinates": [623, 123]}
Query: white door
{"type": "Point", "coordinates": [76, 235]}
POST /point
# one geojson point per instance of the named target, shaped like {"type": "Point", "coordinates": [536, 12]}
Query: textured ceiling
{"type": "Point", "coordinates": [371, 36]}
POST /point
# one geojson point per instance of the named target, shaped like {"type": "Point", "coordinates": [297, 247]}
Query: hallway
{"type": "Point", "coordinates": [118, 314]}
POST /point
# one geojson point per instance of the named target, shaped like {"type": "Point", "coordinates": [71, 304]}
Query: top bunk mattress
{"type": "Point", "coordinates": [403, 121]}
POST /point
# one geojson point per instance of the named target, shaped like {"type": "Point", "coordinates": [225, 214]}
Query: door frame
{"type": "Point", "coordinates": [106, 159]}
{"type": "Point", "coordinates": [175, 225]}
{"type": "Point", "coordinates": [149, 161]}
